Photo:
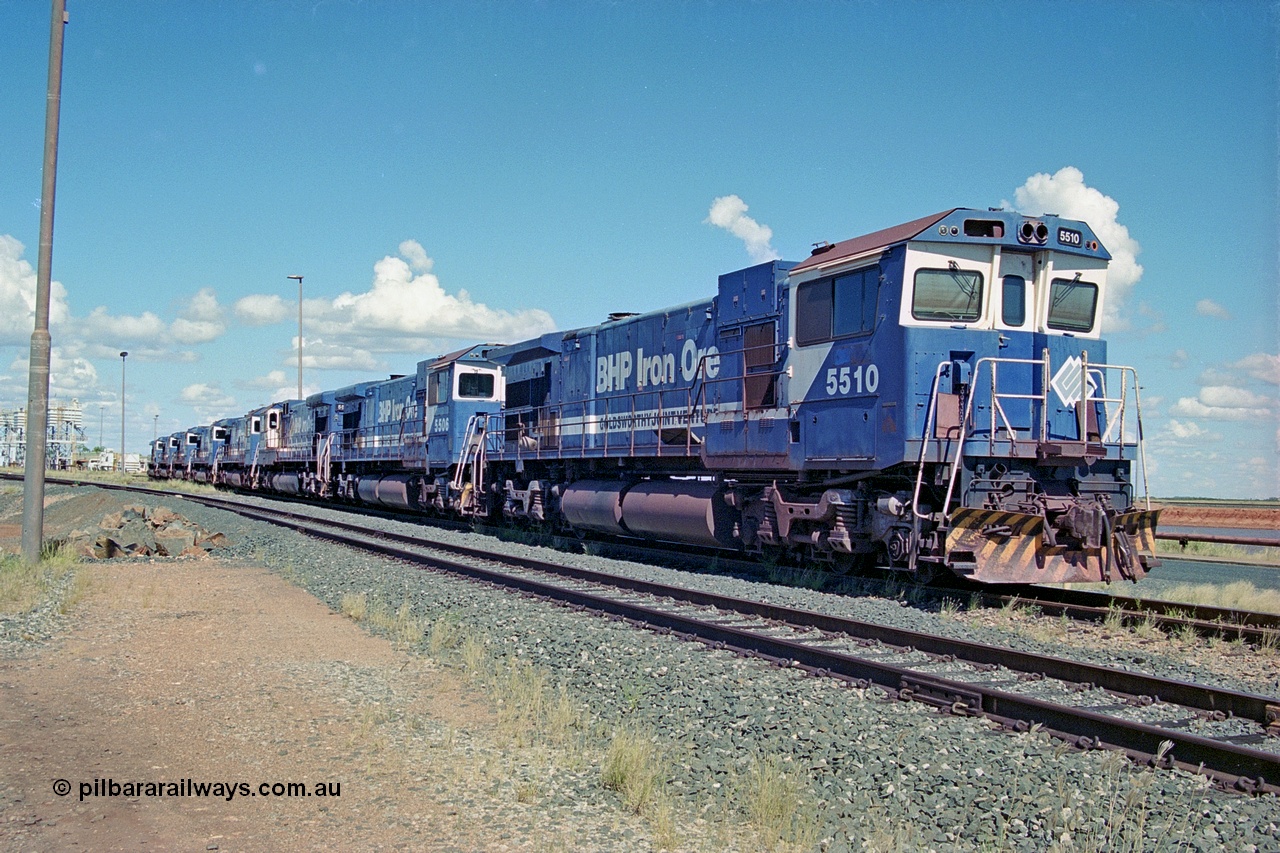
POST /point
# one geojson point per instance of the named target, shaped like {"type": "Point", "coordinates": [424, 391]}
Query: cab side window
{"type": "Point", "coordinates": [438, 388]}
{"type": "Point", "coordinates": [837, 307]}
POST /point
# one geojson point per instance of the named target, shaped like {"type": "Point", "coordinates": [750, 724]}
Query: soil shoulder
{"type": "Point", "coordinates": [1248, 518]}
{"type": "Point", "coordinates": [197, 670]}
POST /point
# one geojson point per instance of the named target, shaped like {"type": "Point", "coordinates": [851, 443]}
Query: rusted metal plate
{"type": "Point", "coordinates": [1010, 547]}
{"type": "Point", "coordinates": [1141, 527]}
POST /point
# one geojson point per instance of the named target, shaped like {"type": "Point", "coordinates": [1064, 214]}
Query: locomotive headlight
{"type": "Point", "coordinates": [1034, 232]}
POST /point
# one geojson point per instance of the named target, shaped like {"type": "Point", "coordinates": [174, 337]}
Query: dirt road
{"type": "Point", "coordinates": [193, 670]}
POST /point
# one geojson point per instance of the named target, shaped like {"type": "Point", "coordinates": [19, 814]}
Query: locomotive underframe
{"type": "Point", "coordinates": [1015, 519]}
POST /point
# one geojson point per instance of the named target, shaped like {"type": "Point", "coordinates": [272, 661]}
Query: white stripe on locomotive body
{"type": "Point", "coordinates": [805, 364]}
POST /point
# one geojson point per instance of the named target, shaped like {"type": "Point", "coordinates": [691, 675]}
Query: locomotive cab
{"type": "Point", "coordinates": [977, 395]}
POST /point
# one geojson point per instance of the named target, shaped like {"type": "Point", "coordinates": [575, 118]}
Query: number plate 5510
{"type": "Point", "coordinates": [858, 380]}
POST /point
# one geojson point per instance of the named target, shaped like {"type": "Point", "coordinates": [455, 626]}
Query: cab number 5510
{"type": "Point", "coordinates": [858, 380]}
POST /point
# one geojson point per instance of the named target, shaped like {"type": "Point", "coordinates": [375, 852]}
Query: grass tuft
{"type": "Point", "coordinates": [355, 605]}
{"type": "Point", "coordinates": [55, 580]}
{"type": "Point", "coordinates": [634, 767]}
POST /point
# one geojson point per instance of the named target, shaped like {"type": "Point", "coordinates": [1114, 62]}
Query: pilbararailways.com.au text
{"type": "Point", "coordinates": [191, 788]}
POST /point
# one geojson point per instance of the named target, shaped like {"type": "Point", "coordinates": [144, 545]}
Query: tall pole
{"type": "Point", "coordinates": [38, 375]}
{"type": "Point", "coordinates": [299, 280]}
{"type": "Point", "coordinates": [123, 356]}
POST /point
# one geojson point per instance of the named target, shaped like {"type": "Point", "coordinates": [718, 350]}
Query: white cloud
{"type": "Point", "coordinates": [202, 394]}
{"type": "Point", "coordinates": [1066, 194]}
{"type": "Point", "coordinates": [100, 326]}
{"type": "Point", "coordinates": [1209, 308]}
{"type": "Point", "coordinates": [1231, 397]}
{"type": "Point", "coordinates": [18, 295]}
{"type": "Point", "coordinates": [1190, 431]}
{"type": "Point", "coordinates": [210, 402]}
{"type": "Point", "coordinates": [149, 337]}
{"type": "Point", "coordinates": [412, 251]}
{"type": "Point", "coordinates": [1261, 366]}
{"type": "Point", "coordinates": [319, 355]}
{"type": "Point", "coordinates": [201, 321]}
{"type": "Point", "coordinates": [730, 213]}
{"type": "Point", "coordinates": [70, 377]}
{"type": "Point", "coordinates": [277, 385]}
{"type": "Point", "coordinates": [261, 310]}
{"type": "Point", "coordinates": [405, 310]}
{"type": "Point", "coordinates": [274, 379]}
{"type": "Point", "coordinates": [1225, 403]}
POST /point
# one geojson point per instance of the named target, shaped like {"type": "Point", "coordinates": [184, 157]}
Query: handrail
{"type": "Point", "coordinates": [929, 416]}
{"type": "Point", "coordinates": [608, 414]}
{"type": "Point", "coordinates": [1087, 397]}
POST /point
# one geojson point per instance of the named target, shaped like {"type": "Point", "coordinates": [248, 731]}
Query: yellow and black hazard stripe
{"type": "Point", "coordinates": [1140, 525]}
{"type": "Point", "coordinates": [1011, 538]}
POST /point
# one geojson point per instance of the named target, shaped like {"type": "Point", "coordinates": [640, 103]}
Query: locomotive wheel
{"type": "Point", "coordinates": [926, 573]}
{"type": "Point", "coordinates": [843, 564]}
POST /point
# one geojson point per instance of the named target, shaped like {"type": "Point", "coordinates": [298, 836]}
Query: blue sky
{"type": "Point", "coordinates": [444, 172]}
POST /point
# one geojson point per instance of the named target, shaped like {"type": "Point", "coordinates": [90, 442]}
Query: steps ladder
{"type": "Point", "coordinates": [471, 455]}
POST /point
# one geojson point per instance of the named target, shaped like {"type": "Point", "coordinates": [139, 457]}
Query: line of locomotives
{"type": "Point", "coordinates": [933, 397]}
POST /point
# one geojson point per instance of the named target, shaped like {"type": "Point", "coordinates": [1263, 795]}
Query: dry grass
{"type": "Point", "coordinates": [1220, 551]}
{"type": "Point", "coordinates": [24, 587]}
{"type": "Point", "coordinates": [355, 605]}
{"type": "Point", "coordinates": [1238, 595]}
{"type": "Point", "coordinates": [401, 625]}
{"type": "Point", "coordinates": [770, 793]}
{"type": "Point", "coordinates": [636, 769]}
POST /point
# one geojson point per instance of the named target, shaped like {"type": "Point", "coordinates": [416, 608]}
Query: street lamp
{"type": "Point", "coordinates": [298, 278]}
{"type": "Point", "coordinates": [38, 371]}
{"type": "Point", "coordinates": [123, 356]}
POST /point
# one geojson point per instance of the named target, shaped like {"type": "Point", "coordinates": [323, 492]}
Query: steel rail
{"type": "Point", "coordinates": [1259, 708]}
{"type": "Point", "coordinates": [1083, 605]}
{"type": "Point", "coordinates": [1206, 619]}
{"type": "Point", "coordinates": [1245, 768]}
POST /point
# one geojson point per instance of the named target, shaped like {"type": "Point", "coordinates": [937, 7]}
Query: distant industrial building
{"type": "Point", "coordinates": [64, 441]}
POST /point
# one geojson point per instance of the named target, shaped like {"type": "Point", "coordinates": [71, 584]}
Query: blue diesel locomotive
{"type": "Point", "coordinates": [931, 397]}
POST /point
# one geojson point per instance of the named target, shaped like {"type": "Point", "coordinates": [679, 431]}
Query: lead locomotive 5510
{"type": "Point", "coordinates": [931, 397]}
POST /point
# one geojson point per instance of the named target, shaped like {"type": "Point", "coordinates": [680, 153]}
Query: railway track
{"type": "Point", "coordinates": [1082, 605]}
{"type": "Point", "coordinates": [1206, 620]}
{"type": "Point", "coordinates": [1230, 736]}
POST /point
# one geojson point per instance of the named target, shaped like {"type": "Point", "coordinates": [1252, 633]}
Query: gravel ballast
{"type": "Point", "coordinates": [865, 772]}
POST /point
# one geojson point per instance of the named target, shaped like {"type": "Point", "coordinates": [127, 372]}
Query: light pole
{"type": "Point", "coordinates": [155, 429]}
{"type": "Point", "coordinates": [102, 419]}
{"type": "Point", "coordinates": [298, 278]}
{"type": "Point", "coordinates": [123, 356]}
{"type": "Point", "coordinates": [41, 344]}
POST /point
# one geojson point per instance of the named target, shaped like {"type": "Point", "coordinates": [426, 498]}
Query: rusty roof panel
{"type": "Point", "coordinates": [870, 242]}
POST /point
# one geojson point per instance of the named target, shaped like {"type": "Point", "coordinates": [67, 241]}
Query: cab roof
{"type": "Point", "coordinates": [826, 254]}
